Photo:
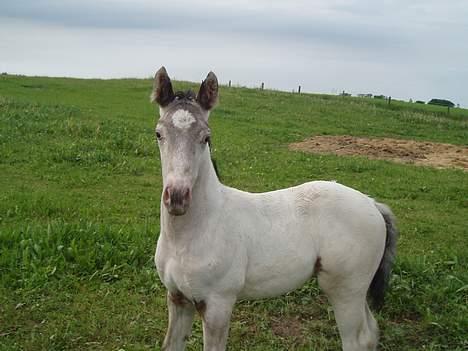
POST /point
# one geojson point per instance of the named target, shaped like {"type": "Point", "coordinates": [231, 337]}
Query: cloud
{"type": "Point", "coordinates": [333, 22]}
{"type": "Point", "coordinates": [325, 44]}
{"type": "Point", "coordinates": [372, 26]}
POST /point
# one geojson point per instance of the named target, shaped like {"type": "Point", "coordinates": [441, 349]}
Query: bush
{"type": "Point", "coordinates": [441, 102]}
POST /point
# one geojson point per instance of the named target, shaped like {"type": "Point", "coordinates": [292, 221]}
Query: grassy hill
{"type": "Point", "coordinates": [79, 214]}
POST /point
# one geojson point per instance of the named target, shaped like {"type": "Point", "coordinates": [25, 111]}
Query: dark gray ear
{"type": "Point", "coordinates": [208, 94]}
{"type": "Point", "coordinates": [162, 88]}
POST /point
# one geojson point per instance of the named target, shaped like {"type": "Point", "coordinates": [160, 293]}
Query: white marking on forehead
{"type": "Point", "coordinates": [182, 119]}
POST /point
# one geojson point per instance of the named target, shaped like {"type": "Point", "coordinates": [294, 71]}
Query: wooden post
{"type": "Point", "coordinates": [263, 85]}
{"type": "Point", "coordinates": [299, 89]}
{"type": "Point", "coordinates": [389, 100]}
{"type": "Point", "coordinates": [229, 83]}
{"type": "Point", "coordinates": [448, 110]}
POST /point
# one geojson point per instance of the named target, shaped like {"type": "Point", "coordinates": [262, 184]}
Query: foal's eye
{"type": "Point", "coordinates": [158, 136]}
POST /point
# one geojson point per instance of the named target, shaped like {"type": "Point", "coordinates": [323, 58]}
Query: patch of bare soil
{"type": "Point", "coordinates": [398, 150]}
{"type": "Point", "coordinates": [287, 327]}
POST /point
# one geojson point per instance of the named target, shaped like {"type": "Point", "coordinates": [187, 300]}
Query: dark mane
{"type": "Point", "coordinates": [215, 165]}
{"type": "Point", "coordinates": [185, 95]}
{"type": "Point", "coordinates": [213, 161]}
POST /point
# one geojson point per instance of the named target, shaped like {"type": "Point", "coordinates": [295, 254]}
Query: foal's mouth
{"type": "Point", "coordinates": [176, 211]}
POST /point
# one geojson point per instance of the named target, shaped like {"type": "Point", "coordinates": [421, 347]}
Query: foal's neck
{"type": "Point", "coordinates": [206, 200]}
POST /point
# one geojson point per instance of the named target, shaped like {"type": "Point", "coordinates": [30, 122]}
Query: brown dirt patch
{"type": "Point", "coordinates": [398, 150]}
{"type": "Point", "coordinates": [287, 327]}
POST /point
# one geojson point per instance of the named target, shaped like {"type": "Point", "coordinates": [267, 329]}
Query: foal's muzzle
{"type": "Point", "coordinates": [177, 200]}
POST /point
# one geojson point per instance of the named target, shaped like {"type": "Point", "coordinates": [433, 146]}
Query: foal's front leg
{"type": "Point", "coordinates": [216, 316]}
{"type": "Point", "coordinates": [181, 312]}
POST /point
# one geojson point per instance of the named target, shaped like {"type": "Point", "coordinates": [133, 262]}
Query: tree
{"type": "Point", "coordinates": [441, 102]}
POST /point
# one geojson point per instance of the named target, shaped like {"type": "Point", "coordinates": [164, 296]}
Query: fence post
{"type": "Point", "coordinates": [389, 100]}
{"type": "Point", "coordinates": [263, 85]}
{"type": "Point", "coordinates": [299, 89]}
{"type": "Point", "coordinates": [229, 83]}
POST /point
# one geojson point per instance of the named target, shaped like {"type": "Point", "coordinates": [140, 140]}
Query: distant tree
{"type": "Point", "coordinates": [344, 93]}
{"type": "Point", "coordinates": [379, 96]}
{"type": "Point", "coordinates": [441, 102]}
{"type": "Point", "coordinates": [420, 102]}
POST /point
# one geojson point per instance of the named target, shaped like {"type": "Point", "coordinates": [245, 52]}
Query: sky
{"type": "Point", "coordinates": [405, 49]}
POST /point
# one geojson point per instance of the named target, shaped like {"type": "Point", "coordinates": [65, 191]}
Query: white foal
{"type": "Point", "coordinates": [218, 244]}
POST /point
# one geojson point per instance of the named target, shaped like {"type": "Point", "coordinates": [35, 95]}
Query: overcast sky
{"type": "Point", "coordinates": [407, 49]}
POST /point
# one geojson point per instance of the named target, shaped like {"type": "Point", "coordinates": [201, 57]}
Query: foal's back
{"type": "Point", "coordinates": [290, 233]}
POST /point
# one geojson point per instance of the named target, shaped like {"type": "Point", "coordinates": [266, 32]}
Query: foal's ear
{"type": "Point", "coordinates": [162, 88]}
{"type": "Point", "coordinates": [208, 94]}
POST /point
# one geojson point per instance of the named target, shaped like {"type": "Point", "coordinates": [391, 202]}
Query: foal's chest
{"type": "Point", "coordinates": [174, 278]}
{"type": "Point", "coordinates": [192, 275]}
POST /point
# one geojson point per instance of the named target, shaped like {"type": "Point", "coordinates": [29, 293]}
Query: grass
{"type": "Point", "coordinates": [79, 215]}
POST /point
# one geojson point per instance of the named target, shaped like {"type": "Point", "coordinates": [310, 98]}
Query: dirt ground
{"type": "Point", "coordinates": [398, 150]}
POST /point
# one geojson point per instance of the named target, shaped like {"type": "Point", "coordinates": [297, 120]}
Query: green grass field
{"type": "Point", "coordinates": [80, 188]}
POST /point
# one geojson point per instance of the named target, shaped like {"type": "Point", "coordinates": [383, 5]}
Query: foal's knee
{"type": "Point", "coordinates": [368, 342]}
{"type": "Point", "coordinates": [367, 338]}
{"type": "Point", "coordinates": [361, 344]}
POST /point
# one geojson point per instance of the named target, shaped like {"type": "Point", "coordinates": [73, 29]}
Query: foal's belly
{"type": "Point", "coordinates": [278, 277]}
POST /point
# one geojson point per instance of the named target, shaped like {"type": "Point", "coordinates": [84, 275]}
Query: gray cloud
{"type": "Point", "coordinates": [349, 24]}
{"type": "Point", "coordinates": [328, 45]}
{"type": "Point", "coordinates": [298, 21]}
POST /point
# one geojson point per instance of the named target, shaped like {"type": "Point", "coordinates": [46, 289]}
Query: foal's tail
{"type": "Point", "coordinates": [381, 278]}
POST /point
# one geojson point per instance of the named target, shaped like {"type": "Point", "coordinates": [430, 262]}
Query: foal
{"type": "Point", "coordinates": [218, 244]}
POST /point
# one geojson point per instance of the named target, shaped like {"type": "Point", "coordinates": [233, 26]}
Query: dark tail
{"type": "Point", "coordinates": [381, 278]}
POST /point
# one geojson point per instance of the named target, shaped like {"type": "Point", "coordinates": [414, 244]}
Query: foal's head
{"type": "Point", "coordinates": [183, 136]}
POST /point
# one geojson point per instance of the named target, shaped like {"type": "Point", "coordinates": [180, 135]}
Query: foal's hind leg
{"type": "Point", "coordinates": [358, 328]}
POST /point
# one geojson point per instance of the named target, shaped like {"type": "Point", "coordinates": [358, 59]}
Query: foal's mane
{"type": "Point", "coordinates": [187, 95]}
{"type": "Point", "coordinates": [213, 161]}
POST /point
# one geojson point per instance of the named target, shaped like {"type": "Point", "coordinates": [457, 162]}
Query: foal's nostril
{"type": "Point", "coordinates": [187, 194]}
{"type": "Point", "coordinates": [167, 196]}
